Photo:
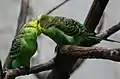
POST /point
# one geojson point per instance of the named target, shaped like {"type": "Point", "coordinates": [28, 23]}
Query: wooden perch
{"type": "Point", "coordinates": [70, 52]}
{"type": "Point", "coordinates": [39, 68]}
{"type": "Point", "coordinates": [92, 52]}
{"type": "Point", "coordinates": [95, 14]}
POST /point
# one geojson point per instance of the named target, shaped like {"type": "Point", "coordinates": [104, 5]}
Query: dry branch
{"type": "Point", "coordinates": [56, 7]}
{"type": "Point", "coordinates": [23, 15]}
{"type": "Point", "coordinates": [70, 52]}
{"type": "Point", "coordinates": [92, 52]}
{"type": "Point", "coordinates": [42, 67]}
{"type": "Point", "coordinates": [95, 14]}
{"type": "Point", "coordinates": [110, 31]}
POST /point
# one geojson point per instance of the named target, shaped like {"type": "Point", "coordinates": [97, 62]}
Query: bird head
{"type": "Point", "coordinates": [44, 20]}
{"type": "Point", "coordinates": [34, 24]}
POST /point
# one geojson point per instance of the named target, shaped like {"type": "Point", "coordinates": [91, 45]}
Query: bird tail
{"type": "Point", "coordinates": [106, 39]}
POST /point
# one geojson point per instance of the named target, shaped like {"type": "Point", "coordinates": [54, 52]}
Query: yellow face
{"type": "Point", "coordinates": [44, 20]}
{"type": "Point", "coordinates": [33, 23]}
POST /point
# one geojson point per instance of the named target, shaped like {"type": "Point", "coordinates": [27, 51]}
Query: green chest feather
{"type": "Point", "coordinates": [23, 47]}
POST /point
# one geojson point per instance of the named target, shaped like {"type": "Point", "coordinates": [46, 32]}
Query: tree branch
{"type": "Point", "coordinates": [71, 52]}
{"type": "Point", "coordinates": [95, 14]}
{"type": "Point", "coordinates": [109, 31]}
{"type": "Point", "coordinates": [23, 15]}
{"type": "Point", "coordinates": [56, 7]}
{"type": "Point", "coordinates": [42, 67]}
{"type": "Point", "coordinates": [91, 52]}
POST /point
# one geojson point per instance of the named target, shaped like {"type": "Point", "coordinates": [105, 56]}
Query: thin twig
{"type": "Point", "coordinates": [110, 31]}
{"type": "Point", "coordinates": [57, 7]}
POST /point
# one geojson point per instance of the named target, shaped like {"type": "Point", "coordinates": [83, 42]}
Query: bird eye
{"type": "Point", "coordinates": [38, 22]}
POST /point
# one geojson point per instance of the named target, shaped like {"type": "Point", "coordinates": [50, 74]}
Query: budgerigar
{"type": "Point", "coordinates": [24, 45]}
{"type": "Point", "coordinates": [66, 31]}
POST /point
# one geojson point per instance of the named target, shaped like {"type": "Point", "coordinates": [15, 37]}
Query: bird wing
{"type": "Point", "coordinates": [15, 48]}
{"type": "Point", "coordinates": [69, 26]}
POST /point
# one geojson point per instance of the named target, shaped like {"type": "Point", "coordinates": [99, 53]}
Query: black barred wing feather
{"type": "Point", "coordinates": [15, 49]}
{"type": "Point", "coordinates": [69, 26]}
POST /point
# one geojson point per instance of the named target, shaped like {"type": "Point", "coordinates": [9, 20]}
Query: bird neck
{"type": "Point", "coordinates": [35, 29]}
{"type": "Point", "coordinates": [30, 32]}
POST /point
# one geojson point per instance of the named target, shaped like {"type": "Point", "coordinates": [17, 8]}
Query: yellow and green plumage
{"type": "Point", "coordinates": [66, 31]}
{"type": "Point", "coordinates": [24, 45]}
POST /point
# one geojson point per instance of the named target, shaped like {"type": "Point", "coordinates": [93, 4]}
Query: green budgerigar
{"type": "Point", "coordinates": [24, 45]}
{"type": "Point", "coordinates": [67, 31]}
